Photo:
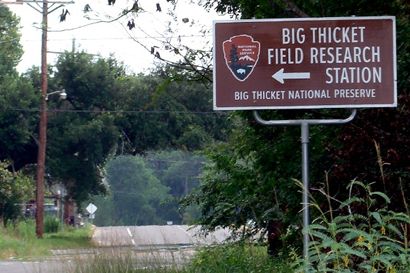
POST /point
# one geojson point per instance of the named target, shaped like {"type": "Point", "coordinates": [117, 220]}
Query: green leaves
{"type": "Point", "coordinates": [11, 49]}
{"type": "Point", "coordinates": [16, 96]}
{"type": "Point", "coordinates": [371, 241]}
{"type": "Point", "coordinates": [14, 189]}
{"type": "Point", "coordinates": [110, 112]}
{"type": "Point", "coordinates": [151, 185]}
{"type": "Point", "coordinates": [136, 192]}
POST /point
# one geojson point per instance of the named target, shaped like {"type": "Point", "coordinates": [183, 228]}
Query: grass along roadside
{"type": "Point", "coordinates": [19, 241]}
{"type": "Point", "coordinates": [229, 258]}
{"type": "Point", "coordinates": [237, 258]}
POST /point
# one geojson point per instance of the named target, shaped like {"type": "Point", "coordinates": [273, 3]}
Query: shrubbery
{"type": "Point", "coordinates": [365, 236]}
{"type": "Point", "coordinates": [14, 188]}
{"type": "Point", "coordinates": [238, 258]}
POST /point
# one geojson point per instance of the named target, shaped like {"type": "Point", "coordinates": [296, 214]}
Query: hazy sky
{"type": "Point", "coordinates": [115, 38]}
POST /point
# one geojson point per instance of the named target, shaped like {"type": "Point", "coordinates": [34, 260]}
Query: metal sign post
{"type": "Point", "coordinates": [304, 126]}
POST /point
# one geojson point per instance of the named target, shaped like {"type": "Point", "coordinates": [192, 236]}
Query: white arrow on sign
{"type": "Point", "coordinates": [280, 76]}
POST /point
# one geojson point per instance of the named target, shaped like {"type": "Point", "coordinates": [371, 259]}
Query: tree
{"type": "Point", "coordinates": [18, 122]}
{"type": "Point", "coordinates": [110, 112]}
{"type": "Point", "coordinates": [136, 193]}
{"type": "Point", "coordinates": [14, 189]}
{"type": "Point", "coordinates": [176, 171]}
{"type": "Point", "coordinates": [11, 49]}
{"type": "Point", "coordinates": [106, 112]}
{"type": "Point", "coordinates": [81, 135]}
{"type": "Point", "coordinates": [180, 172]}
{"type": "Point", "coordinates": [17, 98]}
{"type": "Point", "coordinates": [162, 110]}
{"type": "Point", "coordinates": [165, 43]}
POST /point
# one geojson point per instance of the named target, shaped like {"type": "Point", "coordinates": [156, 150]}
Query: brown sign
{"type": "Point", "coordinates": [305, 63]}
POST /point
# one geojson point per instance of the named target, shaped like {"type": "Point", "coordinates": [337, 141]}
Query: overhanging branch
{"type": "Point", "coordinates": [291, 6]}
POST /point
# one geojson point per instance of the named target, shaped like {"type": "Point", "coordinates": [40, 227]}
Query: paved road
{"type": "Point", "coordinates": [157, 236]}
{"type": "Point", "coordinates": [145, 245]}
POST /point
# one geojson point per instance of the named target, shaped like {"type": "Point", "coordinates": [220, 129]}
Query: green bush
{"type": "Point", "coordinates": [14, 188]}
{"type": "Point", "coordinates": [51, 224]}
{"type": "Point", "coordinates": [365, 236]}
{"type": "Point", "coordinates": [237, 258]}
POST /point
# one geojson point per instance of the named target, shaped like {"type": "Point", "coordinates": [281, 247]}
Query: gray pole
{"type": "Point", "coordinates": [304, 125]}
{"type": "Point", "coordinates": [305, 177]}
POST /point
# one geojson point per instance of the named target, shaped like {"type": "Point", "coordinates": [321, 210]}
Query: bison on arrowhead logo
{"type": "Point", "coordinates": [241, 54]}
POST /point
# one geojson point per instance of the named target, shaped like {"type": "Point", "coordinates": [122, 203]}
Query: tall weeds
{"type": "Point", "coordinates": [231, 258]}
{"type": "Point", "coordinates": [365, 236]}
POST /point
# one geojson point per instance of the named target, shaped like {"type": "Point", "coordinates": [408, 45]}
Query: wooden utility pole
{"type": "Point", "coordinates": [41, 157]}
{"type": "Point", "coordinates": [42, 141]}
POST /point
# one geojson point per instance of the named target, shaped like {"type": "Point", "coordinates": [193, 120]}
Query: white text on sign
{"type": "Point", "coordinates": [351, 55]}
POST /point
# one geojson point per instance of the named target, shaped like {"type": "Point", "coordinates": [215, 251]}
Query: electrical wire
{"type": "Point", "coordinates": [113, 38]}
{"type": "Point", "coordinates": [116, 111]}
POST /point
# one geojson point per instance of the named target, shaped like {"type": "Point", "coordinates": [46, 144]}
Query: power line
{"type": "Point", "coordinates": [136, 38]}
{"type": "Point", "coordinates": [116, 111]}
{"type": "Point", "coordinates": [119, 38]}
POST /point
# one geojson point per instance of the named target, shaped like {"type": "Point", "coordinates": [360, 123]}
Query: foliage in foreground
{"type": "Point", "coordinates": [238, 259]}
{"type": "Point", "coordinates": [364, 236]}
{"type": "Point", "coordinates": [19, 240]}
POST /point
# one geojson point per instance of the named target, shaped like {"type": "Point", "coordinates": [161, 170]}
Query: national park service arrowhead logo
{"type": "Point", "coordinates": [241, 54]}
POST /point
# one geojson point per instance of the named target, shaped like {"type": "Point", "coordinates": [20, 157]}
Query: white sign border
{"type": "Point", "coordinates": [352, 18]}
